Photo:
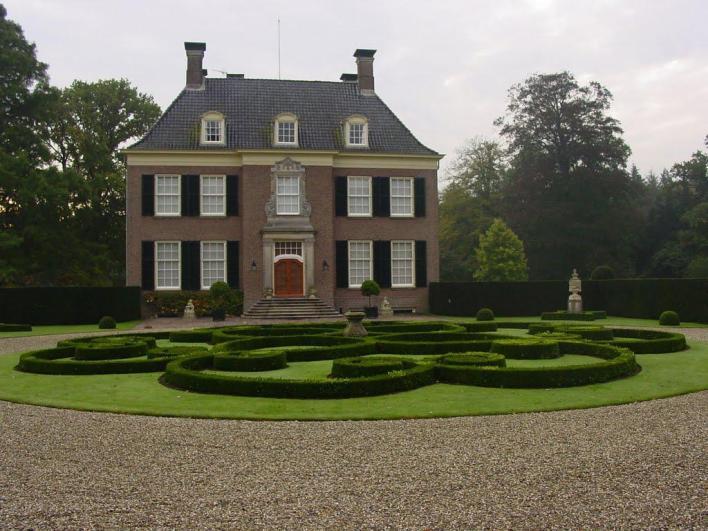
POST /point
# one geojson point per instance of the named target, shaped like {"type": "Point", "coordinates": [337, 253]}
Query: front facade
{"type": "Point", "coordinates": [283, 189]}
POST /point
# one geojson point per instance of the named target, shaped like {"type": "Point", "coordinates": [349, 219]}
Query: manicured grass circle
{"type": "Point", "coordinates": [250, 361]}
{"type": "Point", "coordinates": [474, 358]}
{"type": "Point", "coordinates": [526, 349]}
{"type": "Point", "coordinates": [367, 366]}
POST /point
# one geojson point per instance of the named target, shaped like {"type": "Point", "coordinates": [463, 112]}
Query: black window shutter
{"type": "Point", "coordinates": [191, 257]}
{"type": "Point", "coordinates": [232, 264]}
{"type": "Point", "coordinates": [340, 196]}
{"type": "Point", "coordinates": [421, 264]}
{"type": "Point", "coordinates": [148, 193]}
{"type": "Point", "coordinates": [232, 196]}
{"type": "Point", "coordinates": [190, 195]}
{"type": "Point", "coordinates": [342, 257]}
{"type": "Point", "coordinates": [382, 263]}
{"type": "Point", "coordinates": [148, 265]}
{"type": "Point", "coordinates": [419, 196]}
{"type": "Point", "coordinates": [382, 196]}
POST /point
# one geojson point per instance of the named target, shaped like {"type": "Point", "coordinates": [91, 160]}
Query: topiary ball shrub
{"type": "Point", "coordinates": [107, 323]}
{"type": "Point", "coordinates": [485, 314]}
{"type": "Point", "coordinates": [483, 359]}
{"type": "Point", "coordinates": [602, 272]}
{"type": "Point", "coordinates": [669, 318]}
{"type": "Point", "coordinates": [361, 367]}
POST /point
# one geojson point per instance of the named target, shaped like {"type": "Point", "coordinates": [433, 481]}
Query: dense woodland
{"type": "Point", "coordinates": [557, 180]}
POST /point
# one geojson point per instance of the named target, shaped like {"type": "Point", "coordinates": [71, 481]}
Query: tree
{"type": "Point", "coordinates": [468, 205]}
{"type": "Point", "coordinates": [568, 195]}
{"type": "Point", "coordinates": [500, 255]}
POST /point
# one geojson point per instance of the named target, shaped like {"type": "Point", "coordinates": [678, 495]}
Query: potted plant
{"type": "Point", "coordinates": [219, 295]}
{"type": "Point", "coordinates": [369, 288]}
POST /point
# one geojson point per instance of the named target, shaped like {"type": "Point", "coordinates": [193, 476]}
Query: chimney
{"type": "Point", "coordinates": [348, 78]}
{"type": "Point", "coordinates": [365, 70]}
{"type": "Point", "coordinates": [195, 72]}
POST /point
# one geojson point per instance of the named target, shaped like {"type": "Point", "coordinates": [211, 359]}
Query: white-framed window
{"type": "Point", "coordinates": [212, 190]}
{"type": "Point", "coordinates": [287, 195]}
{"type": "Point", "coordinates": [213, 128]}
{"type": "Point", "coordinates": [167, 265]}
{"type": "Point", "coordinates": [168, 196]}
{"type": "Point", "coordinates": [401, 196]}
{"type": "Point", "coordinates": [360, 262]}
{"type": "Point", "coordinates": [356, 132]}
{"type": "Point", "coordinates": [288, 247]}
{"type": "Point", "coordinates": [402, 264]}
{"type": "Point", "coordinates": [285, 131]}
{"type": "Point", "coordinates": [359, 196]}
{"type": "Point", "coordinates": [213, 263]}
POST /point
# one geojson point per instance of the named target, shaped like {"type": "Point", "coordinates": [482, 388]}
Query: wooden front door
{"type": "Point", "coordinates": [288, 278]}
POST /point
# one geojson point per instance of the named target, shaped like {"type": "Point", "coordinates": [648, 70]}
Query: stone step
{"type": "Point", "coordinates": [291, 308]}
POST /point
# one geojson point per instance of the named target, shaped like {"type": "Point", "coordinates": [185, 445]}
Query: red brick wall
{"type": "Point", "coordinates": [254, 183]}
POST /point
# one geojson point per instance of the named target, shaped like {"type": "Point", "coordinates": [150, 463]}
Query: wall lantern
{"type": "Point", "coordinates": [325, 265]}
{"type": "Point", "coordinates": [253, 265]}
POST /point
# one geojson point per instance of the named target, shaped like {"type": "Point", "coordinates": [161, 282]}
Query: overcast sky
{"type": "Point", "coordinates": [443, 66]}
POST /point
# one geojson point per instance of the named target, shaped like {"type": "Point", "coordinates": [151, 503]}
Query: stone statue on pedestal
{"type": "Point", "coordinates": [575, 286]}
{"type": "Point", "coordinates": [189, 311]}
{"type": "Point", "coordinates": [386, 310]}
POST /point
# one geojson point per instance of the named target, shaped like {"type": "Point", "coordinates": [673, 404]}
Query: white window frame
{"type": "Point", "coordinates": [213, 117]}
{"type": "Point", "coordinates": [285, 118]}
{"type": "Point", "coordinates": [412, 283]}
{"type": "Point", "coordinates": [359, 120]}
{"type": "Point", "coordinates": [277, 196]}
{"type": "Point", "coordinates": [179, 195]}
{"type": "Point", "coordinates": [179, 266]}
{"type": "Point", "coordinates": [390, 193]}
{"type": "Point", "coordinates": [201, 196]}
{"type": "Point", "coordinates": [201, 261]}
{"type": "Point", "coordinates": [349, 261]}
{"type": "Point", "coordinates": [354, 214]}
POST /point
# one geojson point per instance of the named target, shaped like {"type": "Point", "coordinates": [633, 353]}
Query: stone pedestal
{"type": "Point", "coordinates": [575, 286]}
{"type": "Point", "coordinates": [386, 310]}
{"type": "Point", "coordinates": [354, 327]}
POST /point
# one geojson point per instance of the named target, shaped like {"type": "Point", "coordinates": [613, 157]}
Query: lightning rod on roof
{"type": "Point", "coordinates": [278, 47]}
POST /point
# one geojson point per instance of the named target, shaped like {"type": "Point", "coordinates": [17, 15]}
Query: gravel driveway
{"type": "Point", "coordinates": [634, 466]}
{"type": "Point", "coordinates": [640, 465]}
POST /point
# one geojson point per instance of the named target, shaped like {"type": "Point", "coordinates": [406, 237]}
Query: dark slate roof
{"type": "Point", "coordinates": [250, 106]}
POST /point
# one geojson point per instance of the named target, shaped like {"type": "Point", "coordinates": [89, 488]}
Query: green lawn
{"type": "Point", "coordinates": [662, 375]}
{"type": "Point", "coordinates": [49, 330]}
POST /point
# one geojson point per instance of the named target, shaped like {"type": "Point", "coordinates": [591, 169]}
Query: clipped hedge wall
{"type": "Point", "coordinates": [186, 373]}
{"type": "Point", "coordinates": [231, 333]}
{"type": "Point", "coordinates": [567, 316]}
{"type": "Point", "coordinates": [198, 335]}
{"type": "Point", "coordinates": [68, 305]}
{"type": "Point", "coordinates": [250, 361]}
{"type": "Point", "coordinates": [368, 366]}
{"type": "Point", "coordinates": [643, 298]}
{"type": "Point", "coordinates": [110, 351]}
{"type": "Point", "coordinates": [59, 360]}
{"type": "Point", "coordinates": [474, 358]}
{"type": "Point", "coordinates": [649, 341]}
{"type": "Point", "coordinates": [618, 363]}
{"type": "Point", "coordinates": [6, 327]}
{"type": "Point", "coordinates": [526, 349]}
{"type": "Point", "coordinates": [321, 347]}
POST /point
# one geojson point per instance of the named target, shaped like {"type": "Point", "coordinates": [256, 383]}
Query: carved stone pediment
{"type": "Point", "coordinates": [301, 221]}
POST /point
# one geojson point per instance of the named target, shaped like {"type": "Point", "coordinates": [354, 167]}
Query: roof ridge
{"type": "Point", "coordinates": [241, 79]}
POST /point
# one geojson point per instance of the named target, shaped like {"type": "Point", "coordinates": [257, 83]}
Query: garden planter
{"type": "Point", "coordinates": [371, 311]}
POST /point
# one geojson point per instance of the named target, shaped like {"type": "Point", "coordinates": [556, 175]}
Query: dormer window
{"type": "Point", "coordinates": [213, 128]}
{"type": "Point", "coordinates": [356, 132]}
{"type": "Point", "coordinates": [285, 130]}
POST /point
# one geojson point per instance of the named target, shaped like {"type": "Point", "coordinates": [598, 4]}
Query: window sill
{"type": "Point", "coordinates": [168, 289]}
{"type": "Point", "coordinates": [168, 215]}
{"type": "Point", "coordinates": [404, 216]}
{"type": "Point", "coordinates": [212, 215]}
{"type": "Point", "coordinates": [207, 143]}
{"type": "Point", "coordinates": [285, 144]}
{"type": "Point", "coordinates": [360, 215]}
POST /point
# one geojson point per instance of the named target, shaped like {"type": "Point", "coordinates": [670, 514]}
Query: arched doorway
{"type": "Point", "coordinates": [288, 272]}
